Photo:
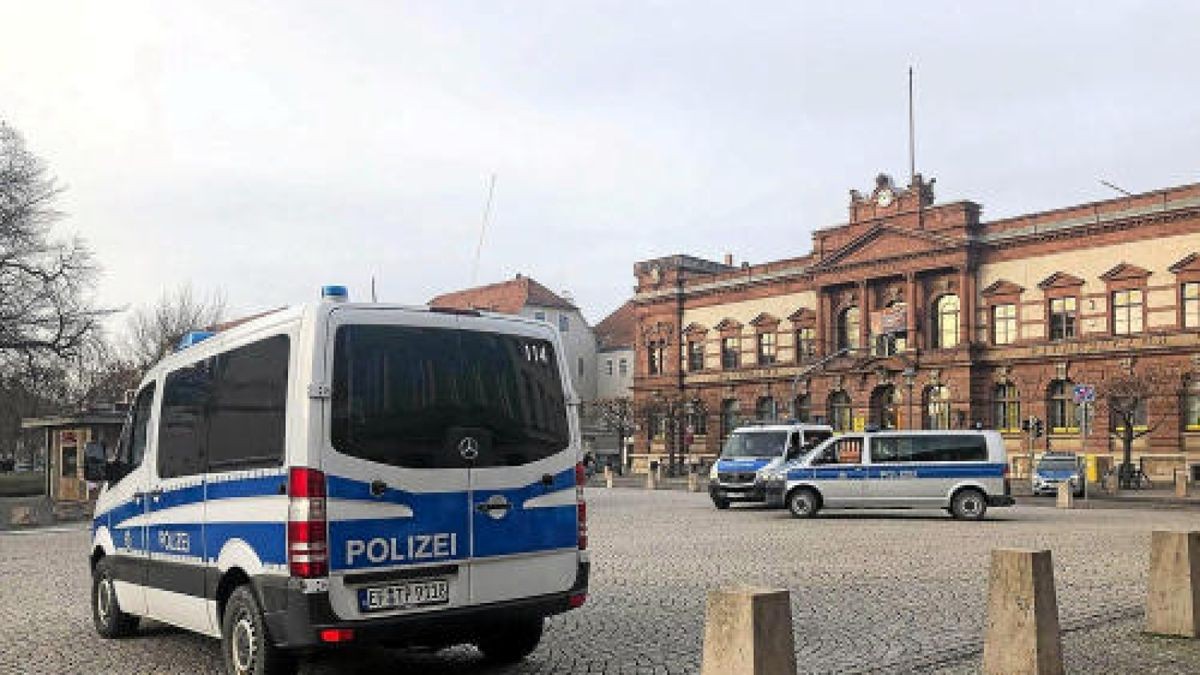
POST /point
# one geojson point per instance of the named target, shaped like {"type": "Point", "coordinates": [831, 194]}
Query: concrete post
{"type": "Point", "coordinates": [693, 482]}
{"type": "Point", "coordinates": [1181, 484]}
{"type": "Point", "coordinates": [1173, 600]}
{"type": "Point", "coordinates": [1022, 622]}
{"type": "Point", "coordinates": [1066, 496]}
{"type": "Point", "coordinates": [608, 477]}
{"type": "Point", "coordinates": [748, 631]}
{"type": "Point", "coordinates": [651, 483]}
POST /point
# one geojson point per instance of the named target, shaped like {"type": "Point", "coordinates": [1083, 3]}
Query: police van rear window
{"type": "Point", "coordinates": [415, 397]}
{"type": "Point", "coordinates": [929, 448]}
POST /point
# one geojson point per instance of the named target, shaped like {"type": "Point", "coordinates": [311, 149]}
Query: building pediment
{"type": "Point", "coordinates": [1060, 280]}
{"type": "Point", "coordinates": [803, 315]}
{"type": "Point", "coordinates": [1002, 287]}
{"type": "Point", "coordinates": [1124, 272]}
{"type": "Point", "coordinates": [764, 320]}
{"type": "Point", "coordinates": [883, 242]}
{"type": "Point", "coordinates": [1190, 263]}
{"type": "Point", "coordinates": [728, 325]}
{"type": "Point", "coordinates": [694, 329]}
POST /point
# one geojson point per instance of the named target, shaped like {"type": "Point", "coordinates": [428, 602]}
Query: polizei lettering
{"type": "Point", "coordinates": [415, 547]}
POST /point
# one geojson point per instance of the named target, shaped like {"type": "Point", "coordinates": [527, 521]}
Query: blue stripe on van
{"type": "Point", "coordinates": [902, 470]}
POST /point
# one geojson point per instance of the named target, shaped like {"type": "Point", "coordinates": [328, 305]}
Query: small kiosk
{"type": "Point", "coordinates": [63, 438]}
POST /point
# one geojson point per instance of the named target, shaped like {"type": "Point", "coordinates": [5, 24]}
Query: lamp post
{"type": "Point", "coordinates": [910, 377]}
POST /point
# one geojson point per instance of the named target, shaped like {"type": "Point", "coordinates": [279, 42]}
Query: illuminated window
{"type": "Point", "coordinates": [1127, 311]}
{"type": "Point", "coordinates": [937, 407]}
{"type": "Point", "coordinates": [766, 349]}
{"type": "Point", "coordinates": [1061, 410]}
{"type": "Point", "coordinates": [945, 322]}
{"type": "Point", "coordinates": [848, 329]}
{"type": "Point", "coordinates": [1008, 407]}
{"type": "Point", "coordinates": [1004, 324]}
{"type": "Point", "coordinates": [1190, 294]}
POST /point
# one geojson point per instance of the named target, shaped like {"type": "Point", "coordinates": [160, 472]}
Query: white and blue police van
{"type": "Point", "coordinates": [337, 474]}
{"type": "Point", "coordinates": [749, 452]}
{"type": "Point", "coordinates": [963, 472]}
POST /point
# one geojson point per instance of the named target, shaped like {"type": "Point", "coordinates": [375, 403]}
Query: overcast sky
{"type": "Point", "coordinates": [268, 148]}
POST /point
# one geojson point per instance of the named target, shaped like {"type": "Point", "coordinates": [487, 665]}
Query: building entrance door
{"type": "Point", "coordinates": [884, 407]}
{"type": "Point", "coordinates": [69, 475]}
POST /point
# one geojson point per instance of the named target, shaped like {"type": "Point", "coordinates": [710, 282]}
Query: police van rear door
{"type": "Point", "coordinates": [451, 473]}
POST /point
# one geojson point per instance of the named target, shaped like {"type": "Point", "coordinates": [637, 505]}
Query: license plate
{"type": "Point", "coordinates": [404, 596]}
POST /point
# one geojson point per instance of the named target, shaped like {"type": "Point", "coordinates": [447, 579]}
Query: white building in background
{"type": "Point", "coordinates": [526, 297]}
{"type": "Point", "coordinates": [614, 353]}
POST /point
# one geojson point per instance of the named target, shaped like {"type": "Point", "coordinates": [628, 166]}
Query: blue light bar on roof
{"type": "Point", "coordinates": [335, 293]}
{"type": "Point", "coordinates": [192, 338]}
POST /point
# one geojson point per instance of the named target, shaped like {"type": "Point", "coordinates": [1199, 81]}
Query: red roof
{"type": "Point", "coordinates": [507, 297]}
{"type": "Point", "coordinates": [617, 329]}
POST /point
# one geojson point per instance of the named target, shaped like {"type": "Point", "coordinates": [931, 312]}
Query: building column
{"type": "Point", "coordinates": [823, 323]}
{"type": "Point", "coordinates": [913, 329]}
{"type": "Point", "coordinates": [864, 315]}
{"type": "Point", "coordinates": [966, 294]}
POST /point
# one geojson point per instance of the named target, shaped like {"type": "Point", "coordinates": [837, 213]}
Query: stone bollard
{"type": "Point", "coordinates": [1181, 484]}
{"type": "Point", "coordinates": [748, 631]}
{"type": "Point", "coordinates": [1173, 598]}
{"type": "Point", "coordinates": [1066, 496]}
{"type": "Point", "coordinates": [651, 483]}
{"type": "Point", "coordinates": [608, 477]}
{"type": "Point", "coordinates": [693, 482]}
{"type": "Point", "coordinates": [21, 516]}
{"type": "Point", "coordinates": [1022, 621]}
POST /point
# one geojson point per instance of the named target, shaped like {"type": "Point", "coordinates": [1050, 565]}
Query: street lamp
{"type": "Point", "coordinates": [910, 377]}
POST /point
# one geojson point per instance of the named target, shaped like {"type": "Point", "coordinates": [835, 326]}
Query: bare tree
{"type": "Point", "coordinates": [153, 331]}
{"type": "Point", "coordinates": [1128, 395]}
{"type": "Point", "coordinates": [616, 415]}
{"type": "Point", "coordinates": [46, 307]}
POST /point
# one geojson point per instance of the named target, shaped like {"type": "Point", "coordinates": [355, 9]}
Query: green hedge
{"type": "Point", "coordinates": [25, 484]}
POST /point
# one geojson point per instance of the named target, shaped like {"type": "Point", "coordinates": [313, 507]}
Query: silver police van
{"type": "Point", "coordinates": [750, 451]}
{"type": "Point", "coordinates": [336, 474]}
{"type": "Point", "coordinates": [963, 472]}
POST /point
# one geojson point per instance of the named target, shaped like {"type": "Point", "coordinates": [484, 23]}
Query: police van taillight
{"type": "Point", "coordinates": [307, 541]}
{"type": "Point", "coordinates": [581, 506]}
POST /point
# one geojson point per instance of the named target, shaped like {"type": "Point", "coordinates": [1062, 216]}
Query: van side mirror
{"type": "Point", "coordinates": [95, 462]}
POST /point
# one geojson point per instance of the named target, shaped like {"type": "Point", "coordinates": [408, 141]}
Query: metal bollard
{"type": "Point", "coordinates": [1022, 615]}
{"type": "Point", "coordinates": [748, 631]}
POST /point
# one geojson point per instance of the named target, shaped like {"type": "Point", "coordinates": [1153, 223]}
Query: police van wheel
{"type": "Point", "coordinates": [969, 504]}
{"type": "Point", "coordinates": [721, 504]}
{"type": "Point", "coordinates": [110, 621]}
{"type": "Point", "coordinates": [803, 503]}
{"type": "Point", "coordinates": [511, 642]}
{"type": "Point", "coordinates": [247, 648]}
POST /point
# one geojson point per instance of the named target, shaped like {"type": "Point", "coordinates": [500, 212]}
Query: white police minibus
{"type": "Point", "coordinates": [346, 473]}
{"type": "Point", "coordinates": [964, 472]}
{"type": "Point", "coordinates": [751, 451]}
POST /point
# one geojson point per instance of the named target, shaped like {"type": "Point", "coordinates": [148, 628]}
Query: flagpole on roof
{"type": "Point", "coordinates": [487, 214]}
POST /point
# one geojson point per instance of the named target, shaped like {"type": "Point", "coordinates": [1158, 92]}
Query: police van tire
{"type": "Point", "coordinates": [107, 616]}
{"type": "Point", "coordinates": [968, 504]}
{"type": "Point", "coordinates": [245, 644]}
{"type": "Point", "coordinates": [512, 642]}
{"type": "Point", "coordinates": [720, 503]}
{"type": "Point", "coordinates": [803, 502]}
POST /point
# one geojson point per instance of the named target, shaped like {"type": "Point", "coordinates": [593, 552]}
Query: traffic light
{"type": "Point", "coordinates": [1039, 428]}
{"type": "Point", "coordinates": [1025, 425]}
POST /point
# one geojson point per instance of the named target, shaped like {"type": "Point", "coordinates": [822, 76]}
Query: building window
{"type": "Point", "coordinates": [937, 407]}
{"type": "Point", "coordinates": [1062, 318]}
{"type": "Point", "coordinates": [1190, 299]}
{"type": "Point", "coordinates": [1007, 403]}
{"type": "Point", "coordinates": [697, 420]}
{"type": "Point", "coordinates": [564, 323]}
{"type": "Point", "coordinates": [1127, 311]}
{"type": "Point", "coordinates": [802, 408]}
{"type": "Point", "coordinates": [729, 415]}
{"type": "Point", "coordinates": [540, 316]}
{"type": "Point", "coordinates": [764, 410]}
{"type": "Point", "coordinates": [1116, 417]}
{"type": "Point", "coordinates": [657, 356]}
{"type": "Point", "coordinates": [766, 349]}
{"type": "Point", "coordinates": [848, 329]}
{"type": "Point", "coordinates": [806, 343]}
{"type": "Point", "coordinates": [945, 322]}
{"type": "Point", "coordinates": [623, 367]}
{"type": "Point", "coordinates": [841, 411]}
{"type": "Point", "coordinates": [731, 352]}
{"type": "Point", "coordinates": [608, 367]}
{"type": "Point", "coordinates": [1191, 408]}
{"type": "Point", "coordinates": [1061, 410]}
{"type": "Point", "coordinates": [695, 355]}
{"type": "Point", "coordinates": [581, 367]}
{"type": "Point", "coordinates": [884, 407]}
{"type": "Point", "coordinates": [1004, 324]}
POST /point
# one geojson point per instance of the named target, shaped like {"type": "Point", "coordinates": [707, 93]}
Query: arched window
{"type": "Point", "coordinates": [1007, 403]}
{"type": "Point", "coordinates": [936, 404]}
{"type": "Point", "coordinates": [1191, 407]}
{"type": "Point", "coordinates": [945, 322]}
{"type": "Point", "coordinates": [764, 410]}
{"type": "Point", "coordinates": [1060, 408]}
{"type": "Point", "coordinates": [841, 411]}
{"type": "Point", "coordinates": [729, 415]}
{"type": "Point", "coordinates": [848, 328]}
{"type": "Point", "coordinates": [802, 408]}
{"type": "Point", "coordinates": [884, 407]}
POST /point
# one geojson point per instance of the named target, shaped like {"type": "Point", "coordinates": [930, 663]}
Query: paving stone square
{"type": "Point", "coordinates": [880, 592]}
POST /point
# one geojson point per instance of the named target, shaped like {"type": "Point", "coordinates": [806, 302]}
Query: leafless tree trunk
{"type": "Point", "coordinates": [1128, 394]}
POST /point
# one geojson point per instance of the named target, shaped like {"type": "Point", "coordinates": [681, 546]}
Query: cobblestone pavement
{"type": "Point", "coordinates": [884, 592]}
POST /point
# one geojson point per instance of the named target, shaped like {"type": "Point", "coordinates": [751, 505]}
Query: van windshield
{"type": "Point", "coordinates": [755, 444]}
{"type": "Point", "coordinates": [1064, 464]}
{"type": "Point", "coordinates": [416, 397]}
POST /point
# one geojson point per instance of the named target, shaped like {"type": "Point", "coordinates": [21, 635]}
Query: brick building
{"type": "Point", "coordinates": [922, 315]}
